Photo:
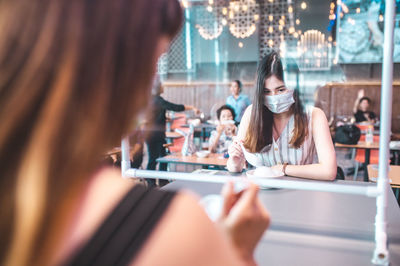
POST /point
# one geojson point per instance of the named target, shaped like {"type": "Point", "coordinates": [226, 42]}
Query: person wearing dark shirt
{"type": "Point", "coordinates": [156, 129]}
{"type": "Point", "coordinates": [361, 106]}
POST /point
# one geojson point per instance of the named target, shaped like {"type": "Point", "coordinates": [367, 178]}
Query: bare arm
{"type": "Point", "coordinates": [243, 218]}
{"type": "Point", "coordinates": [190, 107]}
{"type": "Point", "coordinates": [326, 167]}
{"type": "Point", "coordinates": [236, 159]}
{"type": "Point", "coordinates": [360, 94]}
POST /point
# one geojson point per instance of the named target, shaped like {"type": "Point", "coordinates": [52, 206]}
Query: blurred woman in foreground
{"type": "Point", "coordinates": [72, 74]}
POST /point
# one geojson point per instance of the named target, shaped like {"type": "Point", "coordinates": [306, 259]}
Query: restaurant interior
{"type": "Point", "coordinates": [332, 53]}
{"type": "Point", "coordinates": [200, 132]}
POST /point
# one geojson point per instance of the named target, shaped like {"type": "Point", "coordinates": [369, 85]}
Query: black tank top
{"type": "Point", "coordinates": [119, 239]}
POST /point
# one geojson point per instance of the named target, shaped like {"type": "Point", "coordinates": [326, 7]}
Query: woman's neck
{"type": "Point", "coordinates": [282, 116]}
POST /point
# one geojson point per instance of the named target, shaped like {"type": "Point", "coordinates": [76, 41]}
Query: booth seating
{"type": "Point", "coordinates": [337, 99]}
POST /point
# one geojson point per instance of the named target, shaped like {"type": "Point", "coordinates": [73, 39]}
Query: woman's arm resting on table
{"type": "Point", "coordinates": [326, 167]}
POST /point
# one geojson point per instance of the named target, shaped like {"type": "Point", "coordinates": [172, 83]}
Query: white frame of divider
{"type": "Point", "coordinates": [380, 191]}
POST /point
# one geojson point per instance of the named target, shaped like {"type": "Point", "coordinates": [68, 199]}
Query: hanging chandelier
{"type": "Point", "coordinates": [240, 16]}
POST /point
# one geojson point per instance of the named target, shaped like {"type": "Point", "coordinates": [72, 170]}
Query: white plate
{"type": "Point", "coordinates": [250, 174]}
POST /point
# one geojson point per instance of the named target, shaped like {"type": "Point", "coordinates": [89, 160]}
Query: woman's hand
{"type": "Point", "coordinates": [244, 219]}
{"type": "Point", "coordinates": [360, 94]}
{"type": "Point", "coordinates": [235, 153]}
{"type": "Point", "coordinates": [230, 130]}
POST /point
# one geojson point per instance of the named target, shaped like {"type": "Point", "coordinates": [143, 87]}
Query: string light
{"type": "Point", "coordinates": [270, 29]}
{"type": "Point", "coordinates": [303, 5]}
{"type": "Point", "coordinates": [185, 3]}
{"type": "Point", "coordinates": [240, 44]}
{"type": "Point", "coordinates": [209, 36]}
{"type": "Point", "coordinates": [224, 11]}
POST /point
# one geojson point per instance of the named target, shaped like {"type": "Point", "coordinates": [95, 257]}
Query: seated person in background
{"type": "Point", "coordinates": [360, 109]}
{"type": "Point", "coordinates": [221, 138]}
{"type": "Point", "coordinates": [238, 101]}
{"type": "Point", "coordinates": [276, 131]}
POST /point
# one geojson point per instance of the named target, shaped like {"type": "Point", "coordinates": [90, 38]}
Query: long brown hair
{"type": "Point", "coordinates": [259, 132]}
{"type": "Point", "coordinates": [73, 73]}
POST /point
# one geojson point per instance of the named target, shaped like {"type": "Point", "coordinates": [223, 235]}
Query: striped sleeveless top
{"type": "Point", "coordinates": [280, 151]}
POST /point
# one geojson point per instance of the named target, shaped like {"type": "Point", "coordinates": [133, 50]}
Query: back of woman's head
{"type": "Point", "coordinates": [73, 73]}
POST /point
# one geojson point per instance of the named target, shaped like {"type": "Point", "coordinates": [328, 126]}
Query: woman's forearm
{"type": "Point", "coordinates": [312, 171]}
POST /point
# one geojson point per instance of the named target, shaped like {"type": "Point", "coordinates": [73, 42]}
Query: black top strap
{"type": "Point", "coordinates": [120, 237]}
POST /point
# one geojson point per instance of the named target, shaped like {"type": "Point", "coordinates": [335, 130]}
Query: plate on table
{"type": "Point", "coordinates": [264, 172]}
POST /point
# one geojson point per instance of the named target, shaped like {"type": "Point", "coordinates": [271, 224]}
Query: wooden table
{"type": "Point", "coordinates": [362, 145]}
{"type": "Point", "coordinates": [368, 147]}
{"type": "Point", "coordinates": [213, 159]}
{"type": "Point", "coordinates": [393, 174]}
{"type": "Point", "coordinates": [170, 136]}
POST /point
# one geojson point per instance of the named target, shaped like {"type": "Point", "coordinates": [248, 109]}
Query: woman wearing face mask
{"type": "Point", "coordinates": [277, 131]}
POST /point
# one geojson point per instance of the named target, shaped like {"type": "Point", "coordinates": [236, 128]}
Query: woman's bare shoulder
{"type": "Point", "coordinates": [193, 234]}
{"type": "Point", "coordinates": [244, 123]}
{"type": "Point", "coordinates": [102, 194]}
{"type": "Point", "coordinates": [317, 112]}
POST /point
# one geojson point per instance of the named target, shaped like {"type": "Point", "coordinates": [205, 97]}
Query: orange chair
{"type": "Point", "coordinates": [360, 156]}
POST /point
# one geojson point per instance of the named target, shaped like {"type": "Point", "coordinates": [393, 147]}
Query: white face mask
{"type": "Point", "coordinates": [279, 103]}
